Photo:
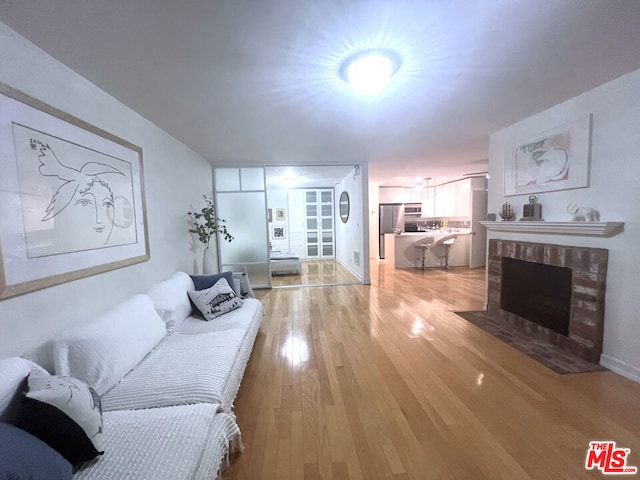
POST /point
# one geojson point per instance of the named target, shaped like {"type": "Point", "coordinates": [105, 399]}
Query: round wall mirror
{"type": "Point", "coordinates": [344, 207]}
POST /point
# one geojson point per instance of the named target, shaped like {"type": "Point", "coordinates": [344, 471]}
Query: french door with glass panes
{"type": "Point", "coordinates": [320, 237]}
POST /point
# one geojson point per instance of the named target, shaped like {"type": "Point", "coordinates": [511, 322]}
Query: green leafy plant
{"type": "Point", "coordinates": [205, 223]}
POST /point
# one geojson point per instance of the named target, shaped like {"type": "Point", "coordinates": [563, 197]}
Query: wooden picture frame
{"type": "Point", "coordinates": [269, 215]}
{"type": "Point", "coordinates": [280, 217]}
{"type": "Point", "coordinates": [73, 196]}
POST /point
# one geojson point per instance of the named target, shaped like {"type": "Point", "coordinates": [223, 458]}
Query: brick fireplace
{"type": "Point", "coordinates": [588, 273]}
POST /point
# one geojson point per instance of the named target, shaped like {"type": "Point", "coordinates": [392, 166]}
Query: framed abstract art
{"type": "Point", "coordinates": [556, 159]}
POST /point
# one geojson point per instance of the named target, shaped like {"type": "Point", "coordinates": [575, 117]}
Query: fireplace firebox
{"type": "Point", "coordinates": [538, 292]}
{"type": "Point", "coordinates": [553, 292]}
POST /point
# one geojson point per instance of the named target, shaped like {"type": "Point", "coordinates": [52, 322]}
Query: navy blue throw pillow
{"type": "Point", "coordinates": [202, 282]}
{"type": "Point", "coordinates": [24, 456]}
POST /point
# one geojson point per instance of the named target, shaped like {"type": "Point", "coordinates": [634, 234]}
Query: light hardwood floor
{"type": "Point", "coordinates": [316, 272]}
{"type": "Point", "coordinates": [385, 382]}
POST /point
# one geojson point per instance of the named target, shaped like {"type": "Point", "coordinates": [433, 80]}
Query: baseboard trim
{"type": "Point", "coordinates": [349, 269]}
{"type": "Point", "coordinates": [622, 368]}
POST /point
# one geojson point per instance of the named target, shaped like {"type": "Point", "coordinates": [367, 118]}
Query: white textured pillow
{"type": "Point", "coordinates": [101, 352]}
{"type": "Point", "coordinates": [13, 370]}
{"type": "Point", "coordinates": [171, 301]}
{"type": "Point", "coordinates": [217, 300]}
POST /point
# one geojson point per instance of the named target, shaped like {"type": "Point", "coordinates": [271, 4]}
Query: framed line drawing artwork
{"type": "Point", "coordinates": [74, 197]}
{"type": "Point", "coordinates": [557, 159]}
{"type": "Point", "coordinates": [280, 215]}
{"type": "Point", "coordinates": [278, 232]}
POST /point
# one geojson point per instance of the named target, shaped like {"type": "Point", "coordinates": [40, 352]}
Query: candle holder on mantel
{"type": "Point", "coordinates": [507, 212]}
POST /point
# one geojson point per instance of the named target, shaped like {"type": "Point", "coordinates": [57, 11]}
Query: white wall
{"type": "Point", "coordinates": [351, 236]}
{"type": "Point", "coordinates": [374, 227]}
{"type": "Point", "coordinates": [174, 180]}
{"type": "Point", "coordinates": [614, 191]}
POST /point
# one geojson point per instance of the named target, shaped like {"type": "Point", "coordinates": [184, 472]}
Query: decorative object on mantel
{"type": "Point", "coordinates": [532, 210]}
{"type": "Point", "coordinates": [205, 224]}
{"type": "Point", "coordinates": [583, 214]}
{"type": "Point", "coordinates": [397, 231]}
{"type": "Point", "coordinates": [507, 212]}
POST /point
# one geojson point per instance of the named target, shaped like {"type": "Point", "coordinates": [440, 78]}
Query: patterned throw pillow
{"type": "Point", "coordinates": [215, 301]}
{"type": "Point", "coordinates": [65, 413]}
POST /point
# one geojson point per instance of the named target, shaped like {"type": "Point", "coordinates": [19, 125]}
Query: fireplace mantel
{"type": "Point", "coordinates": [590, 229]}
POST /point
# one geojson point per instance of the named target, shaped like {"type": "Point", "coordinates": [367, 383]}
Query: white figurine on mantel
{"type": "Point", "coordinates": [583, 214]}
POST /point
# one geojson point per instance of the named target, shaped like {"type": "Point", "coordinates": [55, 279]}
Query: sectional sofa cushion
{"type": "Point", "coordinates": [171, 301]}
{"type": "Point", "coordinates": [23, 456]}
{"type": "Point", "coordinates": [65, 413]}
{"type": "Point", "coordinates": [183, 369]}
{"type": "Point", "coordinates": [246, 318]}
{"type": "Point", "coordinates": [202, 282]}
{"type": "Point", "coordinates": [101, 352]}
{"type": "Point", "coordinates": [216, 300]}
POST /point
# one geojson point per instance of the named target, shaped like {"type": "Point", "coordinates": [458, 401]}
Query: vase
{"type": "Point", "coordinates": [208, 262]}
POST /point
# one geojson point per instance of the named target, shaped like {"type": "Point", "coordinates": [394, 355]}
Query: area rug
{"type": "Point", "coordinates": [547, 354]}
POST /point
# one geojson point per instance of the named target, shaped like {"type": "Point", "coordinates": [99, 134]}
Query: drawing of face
{"type": "Point", "coordinates": [93, 207]}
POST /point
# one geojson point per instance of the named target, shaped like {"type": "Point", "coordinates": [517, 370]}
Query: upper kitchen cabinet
{"type": "Point", "coordinates": [391, 194]}
{"type": "Point", "coordinates": [446, 200]}
{"type": "Point", "coordinates": [454, 199]}
{"type": "Point", "coordinates": [413, 194]}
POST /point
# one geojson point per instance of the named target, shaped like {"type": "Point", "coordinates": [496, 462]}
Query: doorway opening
{"type": "Point", "coordinates": [310, 242]}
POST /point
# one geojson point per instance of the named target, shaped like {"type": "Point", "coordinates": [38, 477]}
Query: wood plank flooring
{"type": "Point", "coordinates": [316, 272]}
{"type": "Point", "coordinates": [385, 382]}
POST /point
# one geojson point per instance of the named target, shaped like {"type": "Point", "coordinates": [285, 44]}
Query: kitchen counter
{"type": "Point", "coordinates": [401, 252]}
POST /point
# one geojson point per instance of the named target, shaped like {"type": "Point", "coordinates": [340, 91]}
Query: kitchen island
{"type": "Point", "coordinates": [401, 251]}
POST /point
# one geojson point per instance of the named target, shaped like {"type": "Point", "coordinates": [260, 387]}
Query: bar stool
{"type": "Point", "coordinates": [447, 242]}
{"type": "Point", "coordinates": [425, 244]}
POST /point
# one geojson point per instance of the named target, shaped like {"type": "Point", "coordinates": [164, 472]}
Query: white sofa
{"type": "Point", "coordinates": [166, 380]}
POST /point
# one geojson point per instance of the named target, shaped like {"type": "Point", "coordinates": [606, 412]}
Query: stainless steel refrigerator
{"type": "Point", "coordinates": [391, 216]}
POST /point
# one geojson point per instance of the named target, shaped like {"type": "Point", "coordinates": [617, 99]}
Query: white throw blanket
{"type": "Point", "coordinates": [182, 369]}
{"type": "Point", "coordinates": [185, 442]}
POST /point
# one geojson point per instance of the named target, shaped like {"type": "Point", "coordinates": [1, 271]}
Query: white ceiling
{"type": "Point", "coordinates": [306, 176]}
{"type": "Point", "coordinates": [257, 82]}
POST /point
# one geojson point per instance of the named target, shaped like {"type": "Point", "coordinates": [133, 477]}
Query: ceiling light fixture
{"type": "Point", "coordinates": [369, 71]}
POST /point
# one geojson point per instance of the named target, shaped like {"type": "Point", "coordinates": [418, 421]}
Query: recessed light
{"type": "Point", "coordinates": [369, 71]}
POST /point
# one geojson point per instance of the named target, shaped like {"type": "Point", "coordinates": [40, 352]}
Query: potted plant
{"type": "Point", "coordinates": [205, 224]}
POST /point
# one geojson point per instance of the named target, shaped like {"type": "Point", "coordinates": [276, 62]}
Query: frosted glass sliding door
{"type": "Point", "coordinates": [241, 201]}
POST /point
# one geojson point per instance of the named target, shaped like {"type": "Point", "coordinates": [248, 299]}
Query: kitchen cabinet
{"type": "Point", "coordinates": [402, 252]}
{"type": "Point", "coordinates": [453, 199]}
{"type": "Point", "coordinates": [428, 207]}
{"type": "Point", "coordinates": [391, 195]}
{"type": "Point", "coordinates": [413, 194]}
{"type": "Point", "coordinates": [446, 198]}
{"type": "Point", "coordinates": [463, 198]}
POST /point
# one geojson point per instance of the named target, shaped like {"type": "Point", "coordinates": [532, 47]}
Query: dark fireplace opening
{"type": "Point", "coordinates": [538, 292]}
